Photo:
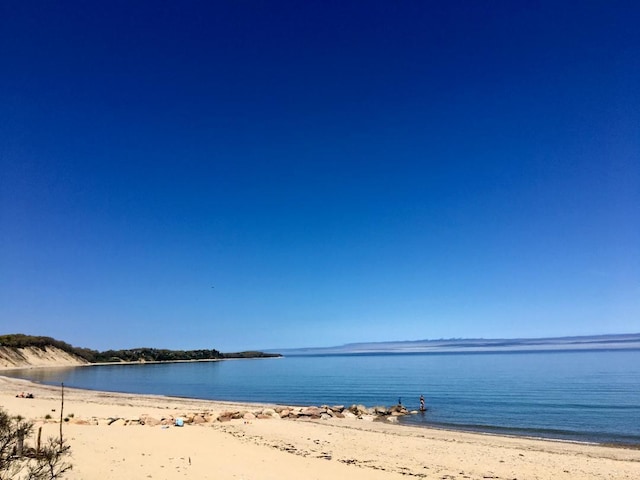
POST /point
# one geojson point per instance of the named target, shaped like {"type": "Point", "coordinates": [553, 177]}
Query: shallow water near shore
{"type": "Point", "coordinates": [591, 396]}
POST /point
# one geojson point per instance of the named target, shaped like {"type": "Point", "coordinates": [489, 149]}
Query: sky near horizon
{"type": "Point", "coordinates": [252, 175]}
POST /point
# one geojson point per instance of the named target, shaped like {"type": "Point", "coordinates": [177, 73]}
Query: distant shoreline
{"type": "Point", "coordinates": [616, 342]}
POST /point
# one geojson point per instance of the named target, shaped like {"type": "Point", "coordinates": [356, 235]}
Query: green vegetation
{"type": "Point", "coordinates": [19, 340]}
{"type": "Point", "coordinates": [155, 355]}
{"type": "Point", "coordinates": [21, 461]}
{"type": "Point", "coordinates": [251, 354]}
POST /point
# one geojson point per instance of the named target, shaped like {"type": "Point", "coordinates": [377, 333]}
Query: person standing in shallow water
{"type": "Point", "coordinates": [422, 409]}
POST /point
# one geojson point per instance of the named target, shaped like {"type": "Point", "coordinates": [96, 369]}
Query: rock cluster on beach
{"type": "Point", "coordinates": [324, 412]}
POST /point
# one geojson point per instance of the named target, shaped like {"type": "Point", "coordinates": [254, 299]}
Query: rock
{"type": "Point", "coordinates": [325, 416]}
{"type": "Point", "coordinates": [311, 411]}
{"type": "Point", "coordinates": [148, 420]}
{"type": "Point", "coordinates": [262, 416]}
{"type": "Point", "coordinates": [284, 413]}
{"type": "Point", "coordinates": [198, 419]}
{"type": "Point", "coordinates": [249, 416]}
{"type": "Point", "coordinates": [348, 414]}
{"type": "Point", "coordinates": [392, 419]}
{"type": "Point", "coordinates": [170, 420]}
{"type": "Point", "coordinates": [120, 422]}
{"type": "Point", "coordinates": [367, 418]}
{"type": "Point", "coordinates": [380, 410]}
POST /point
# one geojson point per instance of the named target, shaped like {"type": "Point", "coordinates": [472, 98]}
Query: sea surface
{"type": "Point", "coordinates": [588, 396]}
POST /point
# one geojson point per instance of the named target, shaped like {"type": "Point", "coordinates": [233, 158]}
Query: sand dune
{"type": "Point", "coordinates": [29, 357]}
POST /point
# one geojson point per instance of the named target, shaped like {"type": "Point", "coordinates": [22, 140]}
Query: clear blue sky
{"type": "Point", "coordinates": [338, 171]}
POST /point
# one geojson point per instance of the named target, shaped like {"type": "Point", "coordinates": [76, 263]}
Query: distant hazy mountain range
{"type": "Point", "coordinates": [596, 342]}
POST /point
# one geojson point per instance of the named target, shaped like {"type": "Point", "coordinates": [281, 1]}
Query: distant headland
{"type": "Point", "coordinates": [19, 350]}
{"type": "Point", "coordinates": [460, 345]}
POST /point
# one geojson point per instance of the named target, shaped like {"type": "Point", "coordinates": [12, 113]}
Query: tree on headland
{"type": "Point", "coordinates": [144, 354]}
{"type": "Point", "coordinates": [19, 461]}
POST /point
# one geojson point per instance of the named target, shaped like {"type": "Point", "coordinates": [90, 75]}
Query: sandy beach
{"type": "Point", "coordinates": [108, 442]}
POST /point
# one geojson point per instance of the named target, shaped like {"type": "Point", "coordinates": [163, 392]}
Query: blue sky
{"type": "Point", "coordinates": [338, 171]}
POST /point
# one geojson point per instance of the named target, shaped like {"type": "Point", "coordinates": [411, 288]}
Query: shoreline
{"type": "Point", "coordinates": [35, 386]}
{"type": "Point", "coordinates": [479, 430]}
{"type": "Point", "coordinates": [108, 441]}
{"type": "Point", "coordinates": [507, 432]}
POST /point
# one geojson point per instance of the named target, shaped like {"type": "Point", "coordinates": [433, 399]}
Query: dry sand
{"type": "Point", "coordinates": [290, 449]}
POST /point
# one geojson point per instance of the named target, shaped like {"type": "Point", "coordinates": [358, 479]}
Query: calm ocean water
{"type": "Point", "coordinates": [584, 396]}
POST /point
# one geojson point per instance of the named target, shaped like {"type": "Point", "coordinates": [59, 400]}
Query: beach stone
{"type": "Point", "coordinates": [399, 409]}
{"type": "Point", "coordinates": [311, 411]}
{"type": "Point", "coordinates": [358, 410]}
{"type": "Point", "coordinates": [224, 418]}
{"type": "Point", "coordinates": [249, 416]}
{"type": "Point", "coordinates": [269, 411]}
{"type": "Point", "coordinates": [120, 422]}
{"type": "Point", "coordinates": [151, 421]}
{"type": "Point", "coordinates": [367, 418]}
{"type": "Point", "coordinates": [325, 416]}
{"type": "Point", "coordinates": [348, 414]}
{"type": "Point", "coordinates": [284, 413]}
{"type": "Point", "coordinates": [262, 416]}
{"type": "Point", "coordinates": [167, 421]}
{"type": "Point", "coordinates": [198, 419]}
{"type": "Point", "coordinates": [392, 419]}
